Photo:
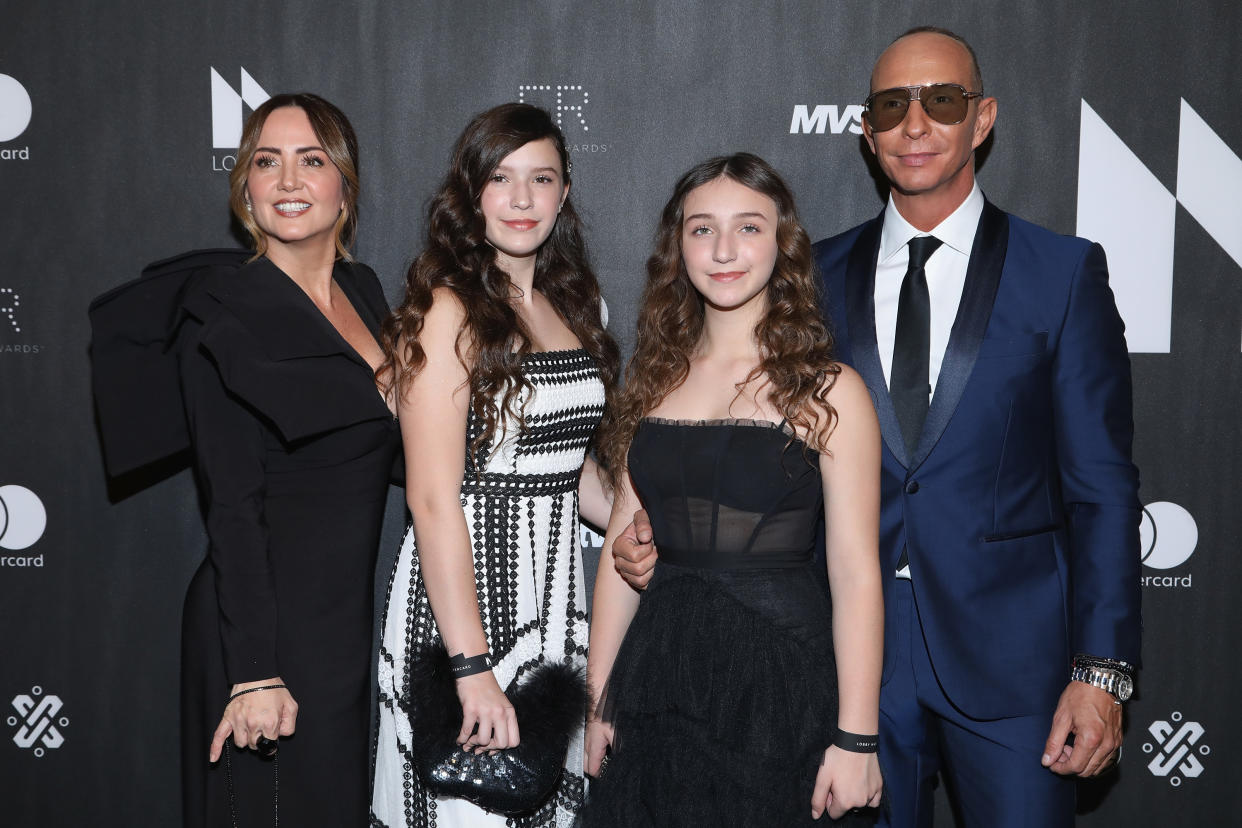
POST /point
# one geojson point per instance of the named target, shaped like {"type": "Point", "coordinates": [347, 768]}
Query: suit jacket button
{"type": "Point", "coordinates": [912, 487]}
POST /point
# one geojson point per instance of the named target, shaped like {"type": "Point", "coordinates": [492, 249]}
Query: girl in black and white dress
{"type": "Point", "coordinates": [501, 366]}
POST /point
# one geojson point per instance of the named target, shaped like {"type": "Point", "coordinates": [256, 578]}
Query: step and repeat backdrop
{"type": "Point", "coordinates": [120, 120]}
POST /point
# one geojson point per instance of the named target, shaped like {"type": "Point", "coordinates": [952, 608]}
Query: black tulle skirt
{"type": "Point", "coordinates": [723, 698]}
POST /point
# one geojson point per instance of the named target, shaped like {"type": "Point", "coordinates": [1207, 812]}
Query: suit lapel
{"type": "Point", "coordinates": [281, 316]}
{"type": "Point", "coordinates": [860, 316]}
{"type": "Point", "coordinates": [987, 260]}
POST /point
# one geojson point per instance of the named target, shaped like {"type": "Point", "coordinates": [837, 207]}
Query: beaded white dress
{"type": "Point", "coordinates": [522, 513]}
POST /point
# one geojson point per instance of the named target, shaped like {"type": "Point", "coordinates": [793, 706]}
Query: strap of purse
{"type": "Point", "coordinates": [228, 773]}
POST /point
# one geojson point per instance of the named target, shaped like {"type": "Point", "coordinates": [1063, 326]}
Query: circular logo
{"type": "Point", "coordinates": [22, 517]}
{"type": "Point", "coordinates": [1168, 535]}
{"type": "Point", "coordinates": [14, 108]}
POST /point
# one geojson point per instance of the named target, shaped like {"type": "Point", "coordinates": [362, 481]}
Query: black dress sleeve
{"type": "Point", "coordinates": [134, 375]}
{"type": "Point", "coordinates": [229, 451]}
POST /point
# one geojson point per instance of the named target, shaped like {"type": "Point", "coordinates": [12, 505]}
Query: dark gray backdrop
{"type": "Point", "coordinates": [116, 167]}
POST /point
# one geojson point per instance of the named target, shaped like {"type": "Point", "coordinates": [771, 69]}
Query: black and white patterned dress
{"type": "Point", "coordinates": [522, 513]}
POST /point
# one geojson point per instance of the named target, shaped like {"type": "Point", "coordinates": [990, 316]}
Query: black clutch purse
{"type": "Point", "coordinates": [550, 702]}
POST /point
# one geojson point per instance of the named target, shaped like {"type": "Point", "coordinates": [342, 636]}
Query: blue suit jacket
{"type": "Point", "coordinates": [1019, 507]}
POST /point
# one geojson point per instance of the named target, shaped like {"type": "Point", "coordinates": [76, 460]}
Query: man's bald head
{"type": "Point", "coordinates": [923, 32]}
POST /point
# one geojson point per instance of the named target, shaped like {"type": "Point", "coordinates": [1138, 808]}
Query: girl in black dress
{"type": "Point", "coordinates": [293, 446]}
{"type": "Point", "coordinates": [738, 691]}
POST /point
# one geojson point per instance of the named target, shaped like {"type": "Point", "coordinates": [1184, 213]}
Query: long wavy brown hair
{"type": "Point", "coordinates": [795, 346]}
{"type": "Point", "coordinates": [458, 256]}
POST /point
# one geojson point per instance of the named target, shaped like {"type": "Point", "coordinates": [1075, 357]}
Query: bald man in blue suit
{"type": "Point", "coordinates": [1010, 505]}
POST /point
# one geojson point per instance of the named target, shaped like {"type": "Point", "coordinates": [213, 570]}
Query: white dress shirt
{"type": "Point", "coordinates": [946, 277]}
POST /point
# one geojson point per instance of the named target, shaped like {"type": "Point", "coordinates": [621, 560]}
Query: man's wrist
{"type": "Point", "coordinates": [1113, 676]}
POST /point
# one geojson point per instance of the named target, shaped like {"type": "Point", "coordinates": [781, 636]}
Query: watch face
{"type": "Point", "coordinates": [1125, 688]}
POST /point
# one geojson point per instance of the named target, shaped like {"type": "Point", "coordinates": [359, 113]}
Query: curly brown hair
{"type": "Point", "coordinates": [795, 345]}
{"type": "Point", "coordinates": [458, 256]}
{"type": "Point", "coordinates": [334, 133]}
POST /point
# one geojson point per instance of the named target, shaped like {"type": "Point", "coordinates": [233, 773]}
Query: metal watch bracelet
{"type": "Point", "coordinates": [1112, 681]}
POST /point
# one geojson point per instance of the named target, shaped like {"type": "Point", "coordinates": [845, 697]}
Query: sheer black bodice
{"type": "Point", "coordinates": [727, 494]}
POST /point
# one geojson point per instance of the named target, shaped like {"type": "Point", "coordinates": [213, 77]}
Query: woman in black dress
{"type": "Point", "coordinates": [293, 446]}
{"type": "Point", "coordinates": [739, 691]}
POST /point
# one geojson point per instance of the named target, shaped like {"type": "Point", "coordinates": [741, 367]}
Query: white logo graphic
{"type": "Point", "coordinates": [226, 108]}
{"type": "Point", "coordinates": [1125, 208]}
{"type": "Point", "coordinates": [9, 300]}
{"type": "Point", "coordinates": [1168, 535]}
{"type": "Point", "coordinates": [1175, 749]}
{"type": "Point", "coordinates": [15, 108]}
{"type": "Point", "coordinates": [38, 725]}
{"type": "Point", "coordinates": [22, 517]}
{"type": "Point", "coordinates": [588, 538]}
{"type": "Point", "coordinates": [837, 119]}
{"type": "Point", "coordinates": [565, 93]}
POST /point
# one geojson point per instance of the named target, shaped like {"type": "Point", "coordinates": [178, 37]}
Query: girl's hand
{"type": "Point", "coordinates": [598, 740]}
{"type": "Point", "coordinates": [846, 780]}
{"type": "Point", "coordinates": [488, 719]}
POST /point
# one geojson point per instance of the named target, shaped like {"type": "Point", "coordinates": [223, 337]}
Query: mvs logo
{"type": "Point", "coordinates": [836, 119]}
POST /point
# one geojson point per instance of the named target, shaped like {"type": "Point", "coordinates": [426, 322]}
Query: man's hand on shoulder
{"type": "Point", "coordinates": [1094, 719]}
{"type": "Point", "coordinates": [633, 553]}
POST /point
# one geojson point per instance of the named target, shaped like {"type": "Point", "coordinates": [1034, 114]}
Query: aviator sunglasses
{"type": "Point", "coordinates": [945, 103]}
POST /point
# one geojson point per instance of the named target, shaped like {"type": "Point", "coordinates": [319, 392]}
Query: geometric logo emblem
{"type": "Point", "coordinates": [22, 517]}
{"type": "Point", "coordinates": [1125, 208]}
{"type": "Point", "coordinates": [226, 108]}
{"type": "Point", "coordinates": [571, 99]}
{"type": "Point", "coordinates": [1176, 749]}
{"type": "Point", "coordinates": [1167, 535]}
{"type": "Point", "coordinates": [9, 302]}
{"type": "Point", "coordinates": [37, 723]}
{"type": "Point", "coordinates": [15, 108]}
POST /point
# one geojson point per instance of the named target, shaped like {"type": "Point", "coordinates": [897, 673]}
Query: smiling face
{"type": "Point", "coordinates": [521, 199]}
{"type": "Point", "coordinates": [295, 192]}
{"type": "Point", "coordinates": [923, 158]}
{"type": "Point", "coordinates": [728, 242]}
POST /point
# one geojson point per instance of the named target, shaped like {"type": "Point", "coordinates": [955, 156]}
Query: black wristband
{"type": "Point", "coordinates": [1083, 660]}
{"type": "Point", "coordinates": [460, 666]}
{"type": "Point", "coordinates": [257, 689]}
{"type": "Point", "coordinates": [855, 743]}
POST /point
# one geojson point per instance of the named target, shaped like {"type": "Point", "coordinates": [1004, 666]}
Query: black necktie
{"type": "Point", "coordinates": [909, 386]}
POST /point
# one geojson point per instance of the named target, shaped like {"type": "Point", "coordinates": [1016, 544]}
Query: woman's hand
{"type": "Point", "coordinates": [488, 719]}
{"type": "Point", "coordinates": [270, 713]}
{"type": "Point", "coordinates": [598, 740]}
{"type": "Point", "coordinates": [846, 780]}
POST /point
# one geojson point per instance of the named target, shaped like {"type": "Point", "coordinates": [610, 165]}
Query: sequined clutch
{"type": "Point", "coordinates": [550, 703]}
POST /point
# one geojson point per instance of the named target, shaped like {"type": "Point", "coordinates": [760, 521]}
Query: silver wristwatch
{"type": "Point", "coordinates": [1111, 680]}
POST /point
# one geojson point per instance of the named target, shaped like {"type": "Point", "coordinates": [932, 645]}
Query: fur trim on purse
{"type": "Point", "coordinates": [550, 703]}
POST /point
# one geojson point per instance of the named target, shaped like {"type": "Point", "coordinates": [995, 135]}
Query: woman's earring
{"type": "Point", "coordinates": [249, 206]}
